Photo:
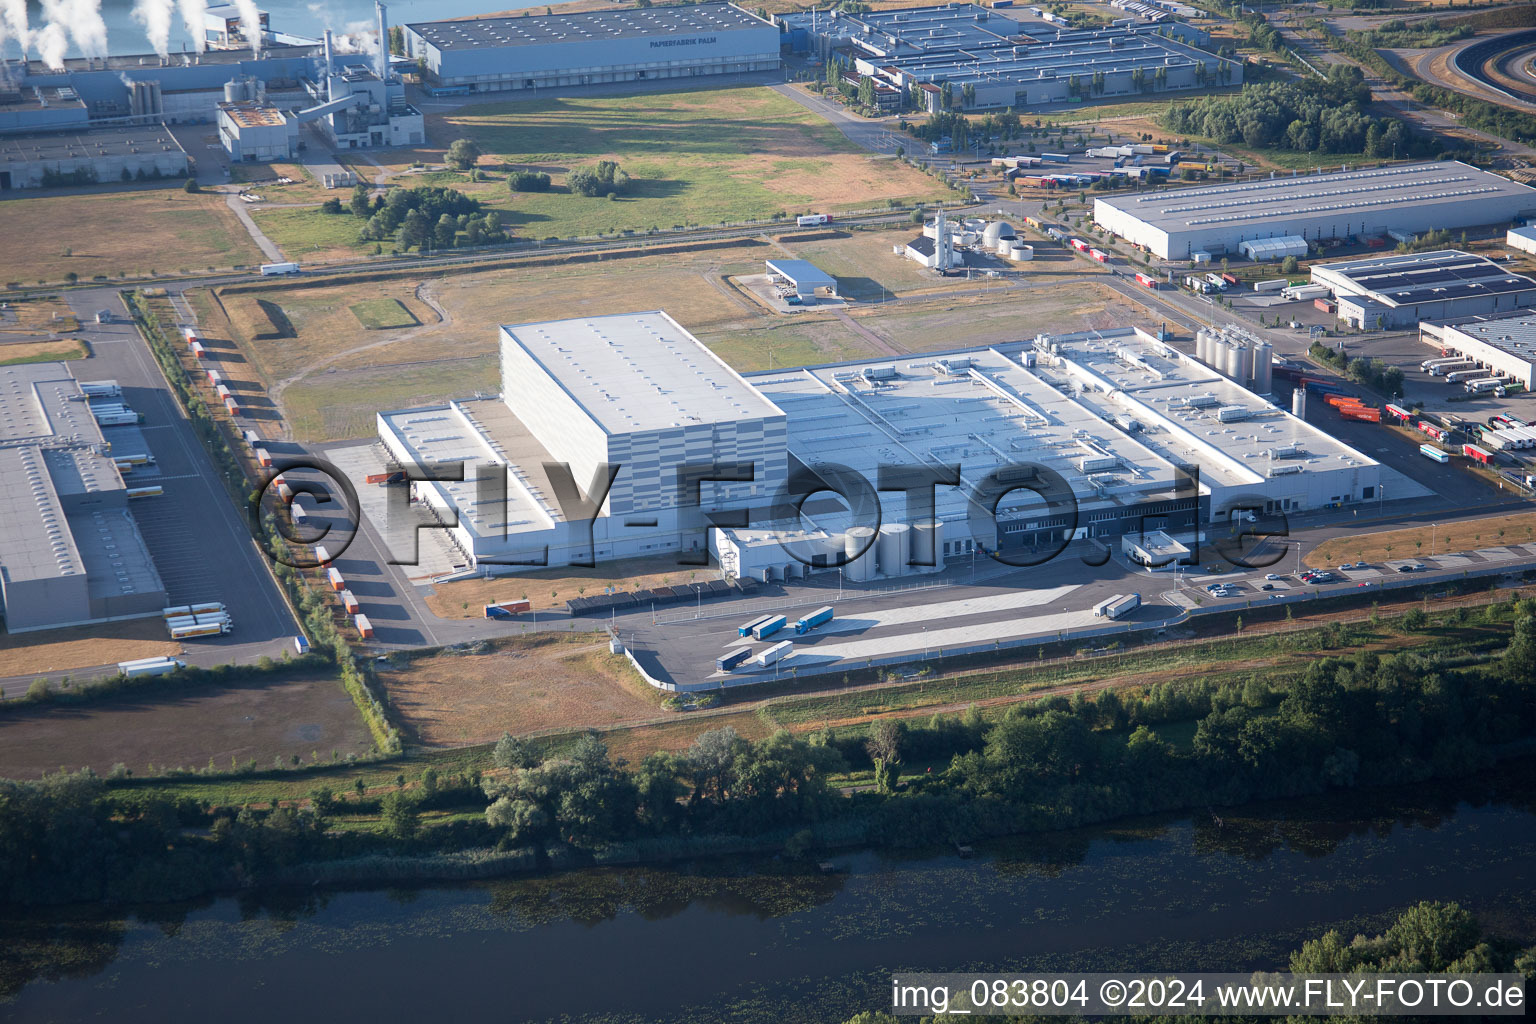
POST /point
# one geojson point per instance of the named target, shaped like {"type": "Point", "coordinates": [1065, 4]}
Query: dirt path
{"type": "Point", "coordinates": [881, 345]}
{"type": "Point", "coordinates": [423, 292]}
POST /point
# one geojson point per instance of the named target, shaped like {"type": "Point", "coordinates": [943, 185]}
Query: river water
{"type": "Point", "coordinates": [760, 941]}
{"type": "Point", "coordinates": [125, 35]}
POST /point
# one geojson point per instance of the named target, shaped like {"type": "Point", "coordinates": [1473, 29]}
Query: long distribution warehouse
{"type": "Point", "coordinates": [634, 45]}
{"type": "Point", "coordinates": [1366, 202]}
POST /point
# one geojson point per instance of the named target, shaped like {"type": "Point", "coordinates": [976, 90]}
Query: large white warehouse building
{"type": "Point", "coordinates": [1117, 418]}
{"type": "Point", "coordinates": [590, 47]}
{"type": "Point", "coordinates": [1413, 198]}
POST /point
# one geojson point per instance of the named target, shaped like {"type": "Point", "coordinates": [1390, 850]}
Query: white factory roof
{"type": "Point", "coordinates": [639, 371]}
{"type": "Point", "coordinates": [984, 411]}
{"type": "Point", "coordinates": [1427, 186]}
{"type": "Point", "coordinates": [585, 27]}
{"type": "Point", "coordinates": [51, 448]}
{"type": "Point", "coordinates": [1402, 279]}
{"type": "Point", "coordinates": [803, 273]}
{"type": "Point", "coordinates": [1512, 333]}
{"type": "Point", "coordinates": [479, 432]}
{"type": "Point", "coordinates": [1176, 399]}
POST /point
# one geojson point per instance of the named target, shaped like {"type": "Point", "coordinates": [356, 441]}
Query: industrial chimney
{"type": "Point", "coordinates": [326, 70]}
{"type": "Point", "coordinates": [381, 58]}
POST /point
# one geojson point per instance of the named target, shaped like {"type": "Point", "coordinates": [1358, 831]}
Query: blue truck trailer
{"type": "Point", "coordinates": [768, 627]}
{"type": "Point", "coordinates": [819, 617]}
{"type": "Point", "coordinates": [728, 662]}
{"type": "Point", "coordinates": [745, 629]}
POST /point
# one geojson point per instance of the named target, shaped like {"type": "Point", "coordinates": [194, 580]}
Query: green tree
{"type": "Point", "coordinates": [1289, 265]}
{"type": "Point", "coordinates": [400, 815]}
{"type": "Point", "coordinates": [512, 752]}
{"type": "Point", "coordinates": [462, 154]}
{"type": "Point", "coordinates": [360, 204]}
{"type": "Point", "coordinates": [444, 233]}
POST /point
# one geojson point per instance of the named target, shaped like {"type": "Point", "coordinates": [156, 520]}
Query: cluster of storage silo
{"type": "Point", "coordinates": [890, 551]}
{"type": "Point", "coordinates": [1247, 360]}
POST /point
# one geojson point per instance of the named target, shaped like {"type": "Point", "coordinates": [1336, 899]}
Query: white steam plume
{"type": "Point", "coordinates": [51, 41]}
{"type": "Point", "coordinates": [250, 22]}
{"type": "Point", "coordinates": [76, 19]}
{"type": "Point", "coordinates": [358, 37]}
{"type": "Point", "coordinates": [156, 16]}
{"type": "Point", "coordinates": [192, 19]}
{"type": "Point", "coordinates": [13, 25]}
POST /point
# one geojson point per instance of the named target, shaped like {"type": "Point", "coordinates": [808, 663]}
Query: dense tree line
{"type": "Point", "coordinates": [1381, 376]}
{"type": "Point", "coordinates": [1307, 116]}
{"type": "Point", "coordinates": [1365, 720]}
{"type": "Point", "coordinates": [1397, 33]}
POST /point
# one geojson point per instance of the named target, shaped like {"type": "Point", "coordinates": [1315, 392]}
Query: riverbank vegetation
{"type": "Point", "coordinates": [1370, 719]}
{"type": "Point", "coordinates": [1427, 938]}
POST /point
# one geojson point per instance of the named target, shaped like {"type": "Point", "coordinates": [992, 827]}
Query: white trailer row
{"type": "Point", "coordinates": [149, 667]}
{"type": "Point", "coordinates": [184, 622]}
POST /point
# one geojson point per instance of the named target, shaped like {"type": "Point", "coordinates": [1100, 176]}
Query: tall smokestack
{"type": "Point", "coordinates": [326, 71]}
{"type": "Point", "coordinates": [381, 58]}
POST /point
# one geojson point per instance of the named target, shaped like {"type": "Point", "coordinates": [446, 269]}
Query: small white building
{"type": "Point", "coordinates": [1523, 239]}
{"type": "Point", "coordinates": [1261, 249]}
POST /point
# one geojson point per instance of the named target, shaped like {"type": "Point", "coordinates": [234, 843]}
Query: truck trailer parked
{"type": "Point", "coordinates": [728, 662]}
{"type": "Point", "coordinates": [364, 627]}
{"type": "Point", "coordinates": [1114, 607]}
{"type": "Point", "coordinates": [819, 617]}
{"type": "Point", "coordinates": [768, 627]}
{"type": "Point", "coordinates": [745, 629]}
{"type": "Point", "coordinates": [149, 667]}
{"type": "Point", "coordinates": [777, 652]}
{"type": "Point", "coordinates": [278, 269]}
{"type": "Point", "coordinates": [1429, 451]}
{"type": "Point", "coordinates": [505, 609]}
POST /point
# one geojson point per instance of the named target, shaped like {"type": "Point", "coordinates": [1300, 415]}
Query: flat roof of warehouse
{"type": "Point", "coordinates": [585, 26]}
{"type": "Point", "coordinates": [1405, 278]}
{"type": "Point", "coordinates": [1441, 184]}
{"type": "Point", "coordinates": [638, 371]}
{"type": "Point", "coordinates": [87, 143]}
{"type": "Point", "coordinates": [1514, 333]}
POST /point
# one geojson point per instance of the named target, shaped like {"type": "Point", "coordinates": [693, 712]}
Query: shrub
{"type": "Point", "coordinates": [190, 185]}
{"type": "Point", "coordinates": [528, 181]}
{"type": "Point", "coordinates": [604, 179]}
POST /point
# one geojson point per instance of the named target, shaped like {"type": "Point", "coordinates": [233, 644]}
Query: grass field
{"type": "Point", "coordinates": [525, 685]}
{"type": "Point", "coordinates": [58, 650]}
{"type": "Point", "coordinates": [1418, 542]}
{"type": "Point", "coordinates": [383, 315]}
{"type": "Point", "coordinates": [304, 717]}
{"type": "Point", "coordinates": [170, 230]}
{"type": "Point", "coordinates": [14, 353]}
{"type": "Point", "coordinates": [342, 403]}
{"type": "Point", "coordinates": [707, 156]}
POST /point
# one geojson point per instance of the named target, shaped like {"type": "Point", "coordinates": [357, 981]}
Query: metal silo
{"type": "Point", "coordinates": [1235, 362]}
{"type": "Point", "coordinates": [859, 549]}
{"type": "Point", "coordinates": [928, 545]}
{"type": "Point", "coordinates": [1299, 403]}
{"type": "Point", "coordinates": [1263, 368]}
{"type": "Point", "coordinates": [895, 548]}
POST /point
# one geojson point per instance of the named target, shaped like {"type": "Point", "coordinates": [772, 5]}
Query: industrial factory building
{"type": "Point", "coordinates": [70, 551]}
{"type": "Point", "coordinates": [637, 400]}
{"type": "Point", "coordinates": [1402, 289]}
{"type": "Point", "coordinates": [589, 47]}
{"type": "Point", "coordinates": [960, 56]}
{"type": "Point", "coordinates": [90, 155]}
{"type": "Point", "coordinates": [1505, 345]}
{"type": "Point", "coordinates": [1406, 198]}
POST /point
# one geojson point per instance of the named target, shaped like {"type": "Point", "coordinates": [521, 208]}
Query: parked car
{"type": "Point", "coordinates": [1273, 576]}
{"type": "Point", "coordinates": [1361, 565]}
{"type": "Point", "coordinates": [1267, 586]}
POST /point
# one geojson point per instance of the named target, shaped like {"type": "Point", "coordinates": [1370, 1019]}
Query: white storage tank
{"type": "Point", "coordinates": [996, 232]}
{"type": "Point", "coordinates": [928, 545]}
{"type": "Point", "coordinates": [1235, 362]}
{"type": "Point", "coordinates": [1015, 250]}
{"type": "Point", "coordinates": [895, 548]}
{"type": "Point", "coordinates": [859, 548]}
{"type": "Point", "coordinates": [1263, 368]}
{"type": "Point", "coordinates": [1299, 403]}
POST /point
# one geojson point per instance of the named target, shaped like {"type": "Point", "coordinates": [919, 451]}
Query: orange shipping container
{"type": "Point", "coordinates": [350, 603]}
{"type": "Point", "coordinates": [364, 627]}
{"type": "Point", "coordinates": [337, 583]}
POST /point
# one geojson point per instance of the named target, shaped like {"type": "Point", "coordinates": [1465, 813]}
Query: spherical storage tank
{"type": "Point", "coordinates": [859, 549]}
{"type": "Point", "coordinates": [895, 548]}
{"type": "Point", "coordinates": [928, 544]}
{"type": "Point", "coordinates": [996, 232]}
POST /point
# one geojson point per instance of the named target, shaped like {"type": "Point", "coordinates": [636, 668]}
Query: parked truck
{"type": "Point", "coordinates": [819, 617]}
{"type": "Point", "coordinates": [278, 269]}
{"type": "Point", "coordinates": [811, 220]}
{"type": "Point", "coordinates": [768, 627]}
{"type": "Point", "coordinates": [728, 662]}
{"type": "Point", "coordinates": [149, 667]}
{"type": "Point", "coordinates": [197, 629]}
{"type": "Point", "coordinates": [1484, 385]}
{"type": "Point", "coordinates": [100, 389]}
{"type": "Point", "coordinates": [1114, 607]}
{"type": "Point", "coordinates": [1099, 254]}
{"type": "Point", "coordinates": [1147, 281]}
{"type": "Point", "coordinates": [1462, 376]}
{"type": "Point", "coordinates": [777, 652]}
{"type": "Point", "coordinates": [745, 629]}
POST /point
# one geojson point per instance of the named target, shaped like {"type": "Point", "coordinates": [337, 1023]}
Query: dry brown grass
{"type": "Point", "coordinates": [32, 316]}
{"type": "Point", "coordinates": [551, 588]}
{"type": "Point", "coordinates": [306, 717]}
{"type": "Point", "coordinates": [526, 685]}
{"type": "Point", "coordinates": [59, 650]}
{"type": "Point", "coordinates": [113, 233]}
{"type": "Point", "coordinates": [40, 351]}
{"type": "Point", "coordinates": [1415, 543]}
